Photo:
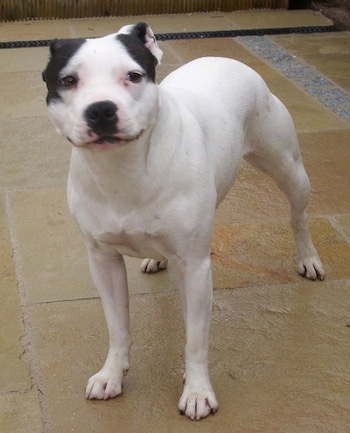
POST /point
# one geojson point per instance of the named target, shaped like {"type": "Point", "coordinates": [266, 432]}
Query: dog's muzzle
{"type": "Point", "coordinates": [101, 118]}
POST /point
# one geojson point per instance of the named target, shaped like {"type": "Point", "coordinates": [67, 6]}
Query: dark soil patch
{"type": "Point", "coordinates": [337, 10]}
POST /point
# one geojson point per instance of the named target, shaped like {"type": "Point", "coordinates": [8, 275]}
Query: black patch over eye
{"type": "Point", "coordinates": [68, 81]}
{"type": "Point", "coordinates": [135, 77]}
{"type": "Point", "coordinates": [140, 54]}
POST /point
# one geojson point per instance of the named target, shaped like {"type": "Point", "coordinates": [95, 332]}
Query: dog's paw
{"type": "Point", "coordinates": [103, 386]}
{"type": "Point", "coordinates": [198, 405]}
{"type": "Point", "coordinates": [311, 267]}
{"type": "Point", "coordinates": [151, 266]}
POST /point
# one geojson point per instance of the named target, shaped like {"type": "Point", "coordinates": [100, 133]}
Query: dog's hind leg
{"type": "Point", "coordinates": [275, 150]}
{"type": "Point", "coordinates": [150, 266]}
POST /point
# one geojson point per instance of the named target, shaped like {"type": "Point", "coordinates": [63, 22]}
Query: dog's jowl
{"type": "Point", "coordinates": [150, 164]}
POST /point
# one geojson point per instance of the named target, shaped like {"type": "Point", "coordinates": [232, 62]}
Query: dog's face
{"type": "Point", "coordinates": [102, 92]}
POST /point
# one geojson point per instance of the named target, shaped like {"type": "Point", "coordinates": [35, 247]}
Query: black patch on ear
{"type": "Point", "coordinates": [135, 44]}
{"type": "Point", "coordinates": [139, 30]}
{"type": "Point", "coordinates": [57, 44]}
{"type": "Point", "coordinates": [62, 50]}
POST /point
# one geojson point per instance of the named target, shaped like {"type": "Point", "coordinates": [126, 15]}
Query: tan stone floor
{"type": "Point", "coordinates": [280, 353]}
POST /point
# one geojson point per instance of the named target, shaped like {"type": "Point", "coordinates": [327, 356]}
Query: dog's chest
{"type": "Point", "coordinates": [138, 233]}
{"type": "Point", "coordinates": [128, 240]}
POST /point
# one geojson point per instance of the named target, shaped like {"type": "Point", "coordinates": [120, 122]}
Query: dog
{"type": "Point", "coordinates": [150, 164]}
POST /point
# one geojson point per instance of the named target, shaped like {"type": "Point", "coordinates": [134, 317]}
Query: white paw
{"type": "Point", "coordinates": [198, 405]}
{"type": "Point", "coordinates": [311, 267]}
{"type": "Point", "coordinates": [103, 386]}
{"type": "Point", "coordinates": [151, 265]}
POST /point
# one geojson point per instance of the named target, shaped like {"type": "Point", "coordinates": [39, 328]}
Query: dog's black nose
{"type": "Point", "coordinates": [101, 117]}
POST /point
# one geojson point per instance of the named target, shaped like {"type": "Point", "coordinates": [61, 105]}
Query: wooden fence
{"type": "Point", "coordinates": [12, 10]}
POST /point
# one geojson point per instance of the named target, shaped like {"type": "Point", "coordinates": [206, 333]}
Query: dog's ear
{"type": "Point", "coordinates": [56, 44]}
{"type": "Point", "coordinates": [144, 32]}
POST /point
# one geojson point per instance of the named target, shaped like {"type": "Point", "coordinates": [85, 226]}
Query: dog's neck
{"type": "Point", "coordinates": [114, 170]}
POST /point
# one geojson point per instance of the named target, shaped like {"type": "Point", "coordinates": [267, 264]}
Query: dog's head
{"type": "Point", "coordinates": [102, 91]}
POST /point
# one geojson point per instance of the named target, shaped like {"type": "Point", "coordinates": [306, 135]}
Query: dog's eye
{"type": "Point", "coordinates": [135, 77]}
{"type": "Point", "coordinates": [68, 81]}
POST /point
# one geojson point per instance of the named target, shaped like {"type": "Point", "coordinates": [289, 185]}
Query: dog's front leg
{"type": "Point", "coordinates": [109, 276]}
{"type": "Point", "coordinates": [198, 399]}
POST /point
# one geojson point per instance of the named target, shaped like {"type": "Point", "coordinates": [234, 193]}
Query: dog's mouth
{"type": "Point", "coordinates": [114, 139]}
{"type": "Point", "coordinates": [106, 141]}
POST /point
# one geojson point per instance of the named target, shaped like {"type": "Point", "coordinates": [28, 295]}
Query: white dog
{"type": "Point", "coordinates": [149, 166]}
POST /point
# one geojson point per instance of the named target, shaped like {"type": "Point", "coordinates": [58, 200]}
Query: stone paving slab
{"type": "Point", "coordinates": [267, 374]}
{"type": "Point", "coordinates": [27, 84]}
{"type": "Point", "coordinates": [264, 253]}
{"type": "Point", "coordinates": [33, 155]}
{"type": "Point", "coordinates": [20, 413]}
{"type": "Point", "coordinates": [315, 43]}
{"type": "Point", "coordinates": [327, 157]}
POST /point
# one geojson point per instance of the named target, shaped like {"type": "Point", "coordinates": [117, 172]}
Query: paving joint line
{"type": "Point", "coordinates": [339, 228]}
{"type": "Point", "coordinates": [28, 339]}
{"type": "Point", "coordinates": [321, 88]}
